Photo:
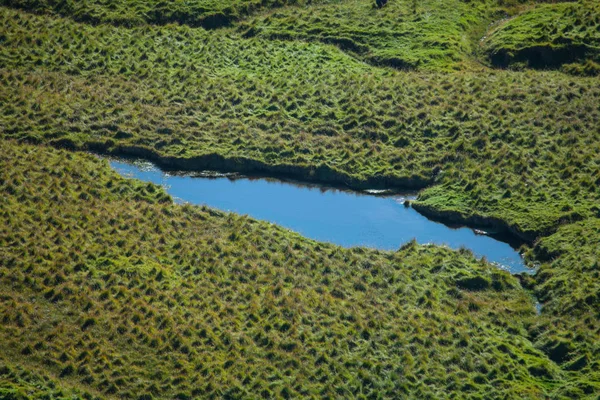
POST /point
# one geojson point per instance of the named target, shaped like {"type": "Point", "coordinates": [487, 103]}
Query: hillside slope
{"type": "Point", "coordinates": [209, 14]}
{"type": "Point", "coordinates": [109, 287]}
{"type": "Point", "coordinates": [520, 148]}
{"type": "Point", "coordinates": [108, 290]}
{"type": "Point", "coordinates": [563, 35]}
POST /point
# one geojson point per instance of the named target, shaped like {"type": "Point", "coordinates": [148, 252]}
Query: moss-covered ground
{"type": "Point", "coordinates": [109, 290]}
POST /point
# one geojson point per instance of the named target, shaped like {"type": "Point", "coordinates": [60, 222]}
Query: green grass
{"type": "Point", "coordinates": [205, 13]}
{"type": "Point", "coordinates": [19, 383]}
{"type": "Point", "coordinates": [426, 35]}
{"type": "Point", "coordinates": [573, 253]}
{"type": "Point", "coordinates": [522, 148]}
{"type": "Point", "coordinates": [109, 290]}
{"type": "Point", "coordinates": [109, 287]}
{"type": "Point", "coordinates": [434, 36]}
{"type": "Point", "coordinates": [550, 35]}
{"type": "Point", "coordinates": [568, 284]}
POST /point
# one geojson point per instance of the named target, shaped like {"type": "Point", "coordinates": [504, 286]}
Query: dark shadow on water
{"type": "Point", "coordinates": [234, 176]}
{"type": "Point", "coordinates": [330, 214]}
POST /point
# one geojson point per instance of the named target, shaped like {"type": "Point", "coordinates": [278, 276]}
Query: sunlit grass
{"type": "Point", "coordinates": [550, 35]}
{"type": "Point", "coordinates": [109, 287]}
{"type": "Point", "coordinates": [434, 36]}
{"type": "Point", "coordinates": [519, 147]}
{"type": "Point", "coordinates": [209, 14]}
{"type": "Point", "coordinates": [110, 290]}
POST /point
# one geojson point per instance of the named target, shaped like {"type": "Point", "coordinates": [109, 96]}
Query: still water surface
{"type": "Point", "coordinates": [341, 217]}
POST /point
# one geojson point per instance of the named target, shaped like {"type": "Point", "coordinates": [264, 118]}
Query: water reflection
{"type": "Point", "coordinates": [323, 213]}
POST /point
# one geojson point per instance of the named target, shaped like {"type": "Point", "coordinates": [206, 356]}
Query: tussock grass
{"type": "Point", "coordinates": [123, 295]}
{"type": "Point", "coordinates": [434, 36]}
{"type": "Point", "coordinates": [109, 290]}
{"type": "Point", "coordinates": [209, 14]}
{"type": "Point", "coordinates": [563, 35]}
{"type": "Point", "coordinates": [568, 285]}
{"type": "Point", "coordinates": [522, 148]}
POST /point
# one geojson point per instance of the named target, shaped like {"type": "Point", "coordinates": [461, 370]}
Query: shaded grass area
{"type": "Point", "coordinates": [563, 35]}
{"type": "Point", "coordinates": [110, 288]}
{"type": "Point", "coordinates": [208, 14]}
{"type": "Point", "coordinates": [572, 255]}
{"type": "Point", "coordinates": [164, 301]}
{"type": "Point", "coordinates": [432, 36]}
{"type": "Point", "coordinates": [568, 285]}
{"type": "Point", "coordinates": [21, 383]}
{"type": "Point", "coordinates": [520, 148]}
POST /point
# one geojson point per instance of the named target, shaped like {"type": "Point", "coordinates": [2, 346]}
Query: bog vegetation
{"type": "Point", "coordinates": [520, 147]}
{"type": "Point", "coordinates": [563, 35]}
{"type": "Point", "coordinates": [113, 290]}
{"type": "Point", "coordinates": [209, 14]}
{"type": "Point", "coordinates": [109, 290]}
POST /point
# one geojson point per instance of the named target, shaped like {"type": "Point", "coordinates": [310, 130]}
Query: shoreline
{"type": "Point", "coordinates": [322, 175]}
{"type": "Point", "coordinates": [475, 221]}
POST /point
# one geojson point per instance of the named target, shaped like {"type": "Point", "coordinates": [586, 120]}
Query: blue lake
{"type": "Point", "coordinates": [342, 217]}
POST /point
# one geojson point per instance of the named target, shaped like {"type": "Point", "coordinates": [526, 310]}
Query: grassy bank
{"type": "Point", "coordinates": [429, 35]}
{"type": "Point", "coordinates": [425, 35]}
{"type": "Point", "coordinates": [107, 285]}
{"type": "Point", "coordinates": [111, 291]}
{"type": "Point", "coordinates": [209, 14]}
{"type": "Point", "coordinates": [558, 35]}
{"type": "Point", "coordinates": [520, 147]}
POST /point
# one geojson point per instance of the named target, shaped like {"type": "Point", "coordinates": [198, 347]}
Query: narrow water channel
{"type": "Point", "coordinates": [341, 217]}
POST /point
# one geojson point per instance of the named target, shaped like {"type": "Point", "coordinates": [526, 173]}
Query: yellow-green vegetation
{"type": "Point", "coordinates": [550, 35]}
{"type": "Point", "coordinates": [574, 252]}
{"type": "Point", "coordinates": [209, 14]}
{"type": "Point", "coordinates": [405, 34]}
{"type": "Point", "coordinates": [522, 148]}
{"type": "Point", "coordinates": [19, 383]}
{"type": "Point", "coordinates": [568, 283]}
{"type": "Point", "coordinates": [109, 290]}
